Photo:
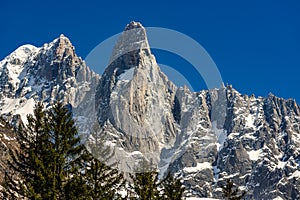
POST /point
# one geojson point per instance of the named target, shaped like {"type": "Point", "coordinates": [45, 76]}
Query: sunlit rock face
{"type": "Point", "coordinates": [202, 137]}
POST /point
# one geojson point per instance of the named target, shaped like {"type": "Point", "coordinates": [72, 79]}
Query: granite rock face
{"type": "Point", "coordinates": [135, 101]}
{"type": "Point", "coordinates": [49, 73]}
{"type": "Point", "coordinates": [203, 137]}
{"type": "Point", "coordinates": [260, 153]}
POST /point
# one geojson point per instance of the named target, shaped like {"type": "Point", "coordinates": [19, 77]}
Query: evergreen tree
{"type": "Point", "coordinates": [65, 152]}
{"type": "Point", "coordinates": [76, 188]}
{"type": "Point", "coordinates": [102, 181]}
{"type": "Point", "coordinates": [51, 163]}
{"type": "Point", "coordinates": [145, 184]}
{"type": "Point", "coordinates": [230, 193]}
{"type": "Point", "coordinates": [49, 159]}
{"type": "Point", "coordinates": [26, 176]}
{"type": "Point", "coordinates": [172, 188]}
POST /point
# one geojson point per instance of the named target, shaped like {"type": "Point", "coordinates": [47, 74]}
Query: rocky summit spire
{"type": "Point", "coordinates": [129, 98]}
{"type": "Point", "coordinates": [58, 61]}
{"type": "Point", "coordinates": [63, 47]}
{"type": "Point", "coordinates": [132, 42]}
{"type": "Point", "coordinates": [133, 25]}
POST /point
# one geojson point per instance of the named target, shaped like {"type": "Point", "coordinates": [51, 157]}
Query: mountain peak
{"type": "Point", "coordinates": [62, 39]}
{"type": "Point", "coordinates": [58, 61]}
{"type": "Point", "coordinates": [21, 54]}
{"type": "Point", "coordinates": [133, 25]}
{"type": "Point", "coordinates": [204, 137]}
{"type": "Point", "coordinates": [132, 41]}
{"type": "Point", "coordinates": [60, 48]}
{"type": "Point", "coordinates": [61, 35]}
{"type": "Point", "coordinates": [62, 43]}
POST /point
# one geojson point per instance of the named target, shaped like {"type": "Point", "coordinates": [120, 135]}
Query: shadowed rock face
{"type": "Point", "coordinates": [259, 150]}
{"type": "Point", "coordinates": [134, 100]}
{"type": "Point", "coordinates": [203, 137]}
{"type": "Point", "coordinates": [7, 142]}
{"type": "Point", "coordinates": [206, 137]}
{"type": "Point", "coordinates": [58, 63]}
{"type": "Point", "coordinates": [49, 73]}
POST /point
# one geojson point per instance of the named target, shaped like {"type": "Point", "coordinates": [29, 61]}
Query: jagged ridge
{"type": "Point", "coordinates": [51, 72]}
{"type": "Point", "coordinates": [203, 137]}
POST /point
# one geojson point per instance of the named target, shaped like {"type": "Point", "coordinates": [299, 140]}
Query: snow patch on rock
{"type": "Point", "coordinates": [199, 167]}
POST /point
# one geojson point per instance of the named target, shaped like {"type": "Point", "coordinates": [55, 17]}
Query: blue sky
{"type": "Point", "coordinates": [255, 44]}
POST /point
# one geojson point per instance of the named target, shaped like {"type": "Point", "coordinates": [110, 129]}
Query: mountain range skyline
{"type": "Point", "coordinates": [162, 53]}
{"type": "Point", "coordinates": [204, 138]}
{"type": "Point", "coordinates": [255, 45]}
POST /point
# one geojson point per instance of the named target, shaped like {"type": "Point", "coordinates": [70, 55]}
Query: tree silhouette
{"type": "Point", "coordinates": [229, 193]}
{"type": "Point", "coordinates": [172, 188]}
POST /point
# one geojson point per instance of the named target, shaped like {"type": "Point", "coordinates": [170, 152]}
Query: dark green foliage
{"type": "Point", "coordinates": [27, 172]}
{"type": "Point", "coordinates": [52, 164]}
{"type": "Point", "coordinates": [172, 188]}
{"type": "Point", "coordinates": [230, 193]}
{"type": "Point", "coordinates": [47, 157]}
{"type": "Point", "coordinates": [76, 188]}
{"type": "Point", "coordinates": [65, 151]}
{"type": "Point", "coordinates": [94, 180]}
{"type": "Point", "coordinates": [103, 182]}
{"type": "Point", "coordinates": [145, 186]}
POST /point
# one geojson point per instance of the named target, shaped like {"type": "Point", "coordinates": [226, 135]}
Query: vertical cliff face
{"type": "Point", "coordinates": [257, 147]}
{"type": "Point", "coordinates": [135, 101]}
{"type": "Point", "coordinates": [203, 137]}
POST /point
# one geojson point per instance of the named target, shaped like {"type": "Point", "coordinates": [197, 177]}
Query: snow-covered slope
{"type": "Point", "coordinates": [51, 72]}
{"type": "Point", "coordinates": [203, 137]}
{"type": "Point", "coordinates": [259, 150]}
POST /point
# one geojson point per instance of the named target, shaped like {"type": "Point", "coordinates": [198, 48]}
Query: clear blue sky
{"type": "Point", "coordinates": [255, 44]}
